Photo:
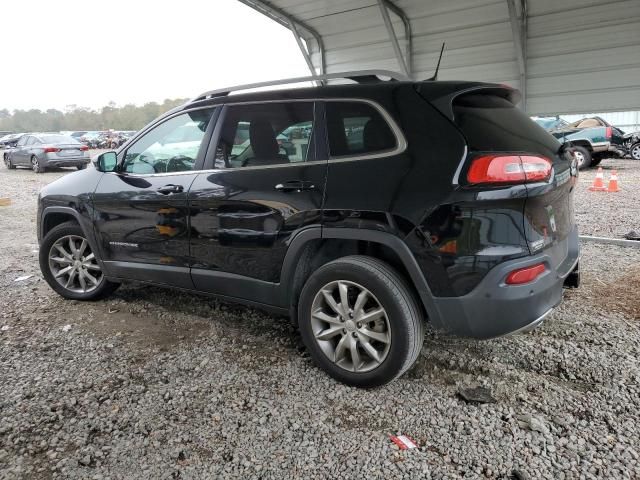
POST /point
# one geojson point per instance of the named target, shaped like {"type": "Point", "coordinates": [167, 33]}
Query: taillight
{"type": "Point", "coordinates": [525, 275]}
{"type": "Point", "coordinates": [509, 169]}
{"type": "Point", "coordinates": [84, 148]}
{"type": "Point", "coordinates": [608, 132]}
{"type": "Point", "coordinates": [51, 149]}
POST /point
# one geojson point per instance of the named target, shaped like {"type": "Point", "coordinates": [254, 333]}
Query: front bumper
{"type": "Point", "coordinates": [493, 309]}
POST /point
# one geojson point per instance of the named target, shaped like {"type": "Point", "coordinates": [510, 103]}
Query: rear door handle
{"type": "Point", "coordinates": [169, 189]}
{"type": "Point", "coordinates": [294, 186]}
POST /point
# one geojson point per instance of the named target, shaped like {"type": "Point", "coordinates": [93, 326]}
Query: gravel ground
{"type": "Point", "coordinates": [606, 214]}
{"type": "Point", "coordinates": [152, 384]}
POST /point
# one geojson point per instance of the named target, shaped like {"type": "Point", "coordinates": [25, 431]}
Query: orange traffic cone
{"type": "Point", "coordinates": [598, 182]}
{"type": "Point", "coordinates": [613, 182]}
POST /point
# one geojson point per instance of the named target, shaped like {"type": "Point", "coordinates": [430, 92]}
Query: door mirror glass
{"type": "Point", "coordinates": [106, 162]}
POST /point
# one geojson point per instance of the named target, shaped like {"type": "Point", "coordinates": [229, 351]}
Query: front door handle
{"type": "Point", "coordinates": [294, 186]}
{"type": "Point", "coordinates": [169, 189]}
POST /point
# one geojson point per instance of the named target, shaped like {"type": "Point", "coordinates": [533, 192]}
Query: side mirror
{"type": "Point", "coordinates": [106, 162]}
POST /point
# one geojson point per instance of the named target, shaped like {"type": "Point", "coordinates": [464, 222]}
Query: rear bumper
{"type": "Point", "coordinates": [65, 162]}
{"type": "Point", "coordinates": [493, 309]}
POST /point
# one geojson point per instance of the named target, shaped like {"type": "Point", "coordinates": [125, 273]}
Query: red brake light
{"type": "Point", "coordinates": [525, 275]}
{"type": "Point", "coordinates": [51, 149]}
{"type": "Point", "coordinates": [608, 132]}
{"type": "Point", "coordinates": [84, 148]}
{"type": "Point", "coordinates": [509, 169]}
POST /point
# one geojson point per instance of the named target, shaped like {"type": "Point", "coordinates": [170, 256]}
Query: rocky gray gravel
{"type": "Point", "coordinates": [153, 384]}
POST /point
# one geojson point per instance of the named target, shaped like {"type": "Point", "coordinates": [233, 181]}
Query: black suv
{"type": "Point", "coordinates": [392, 202]}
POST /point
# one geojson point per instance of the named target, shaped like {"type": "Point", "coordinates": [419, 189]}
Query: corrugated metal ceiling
{"type": "Point", "coordinates": [577, 55]}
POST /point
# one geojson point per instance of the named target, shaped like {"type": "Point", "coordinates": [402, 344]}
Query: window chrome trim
{"type": "Point", "coordinates": [401, 142]}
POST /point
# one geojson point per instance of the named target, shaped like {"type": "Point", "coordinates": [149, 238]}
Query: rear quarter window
{"type": "Point", "coordinates": [491, 123]}
{"type": "Point", "coordinates": [357, 128]}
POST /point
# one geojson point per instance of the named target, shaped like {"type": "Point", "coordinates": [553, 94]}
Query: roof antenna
{"type": "Point", "coordinates": [435, 75]}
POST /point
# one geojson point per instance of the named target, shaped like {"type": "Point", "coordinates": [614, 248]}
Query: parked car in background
{"type": "Point", "coordinates": [592, 138]}
{"type": "Point", "coordinates": [77, 135]}
{"type": "Point", "coordinates": [632, 144]}
{"type": "Point", "coordinates": [39, 151]}
{"type": "Point", "coordinates": [10, 140]}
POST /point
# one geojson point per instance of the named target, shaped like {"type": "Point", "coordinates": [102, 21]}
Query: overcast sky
{"type": "Point", "coordinates": [90, 52]}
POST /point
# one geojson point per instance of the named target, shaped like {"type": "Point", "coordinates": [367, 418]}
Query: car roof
{"type": "Point", "coordinates": [356, 90]}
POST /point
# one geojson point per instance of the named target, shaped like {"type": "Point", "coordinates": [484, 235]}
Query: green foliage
{"type": "Point", "coordinates": [127, 117]}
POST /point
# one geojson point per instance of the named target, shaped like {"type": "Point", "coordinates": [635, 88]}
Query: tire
{"type": "Point", "coordinates": [634, 151]}
{"type": "Point", "coordinates": [396, 335]}
{"type": "Point", "coordinates": [583, 157]}
{"type": "Point", "coordinates": [63, 233]}
{"type": "Point", "coordinates": [35, 165]}
{"type": "Point", "coordinates": [81, 167]}
{"type": "Point", "coordinates": [10, 166]}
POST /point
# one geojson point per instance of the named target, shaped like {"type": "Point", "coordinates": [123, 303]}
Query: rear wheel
{"type": "Point", "coordinates": [635, 151]}
{"type": "Point", "coordinates": [583, 157]}
{"type": "Point", "coordinates": [81, 167]}
{"type": "Point", "coordinates": [35, 165]}
{"type": "Point", "coordinates": [69, 265]}
{"type": "Point", "coordinates": [360, 322]}
{"type": "Point", "coordinates": [8, 163]}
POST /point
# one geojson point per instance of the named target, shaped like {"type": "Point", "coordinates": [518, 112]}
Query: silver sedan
{"type": "Point", "coordinates": [41, 150]}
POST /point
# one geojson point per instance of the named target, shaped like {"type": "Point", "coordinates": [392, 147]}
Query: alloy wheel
{"type": "Point", "coordinates": [350, 326]}
{"type": "Point", "coordinates": [579, 157]}
{"type": "Point", "coordinates": [74, 265]}
{"type": "Point", "coordinates": [635, 152]}
{"type": "Point", "coordinates": [35, 165]}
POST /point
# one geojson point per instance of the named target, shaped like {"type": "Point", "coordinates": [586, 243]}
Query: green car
{"type": "Point", "coordinates": [592, 138]}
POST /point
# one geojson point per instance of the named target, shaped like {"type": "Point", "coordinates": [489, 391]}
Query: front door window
{"type": "Point", "coordinates": [172, 146]}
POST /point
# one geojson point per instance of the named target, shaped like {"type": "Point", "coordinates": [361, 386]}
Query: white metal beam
{"type": "Point", "coordinates": [303, 48]}
{"type": "Point", "coordinates": [393, 38]}
{"type": "Point", "coordinates": [408, 35]}
{"type": "Point", "coordinates": [285, 19]}
{"type": "Point", "coordinates": [519, 31]}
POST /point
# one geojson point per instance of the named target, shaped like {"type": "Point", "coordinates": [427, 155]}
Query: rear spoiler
{"type": "Point", "coordinates": [442, 94]}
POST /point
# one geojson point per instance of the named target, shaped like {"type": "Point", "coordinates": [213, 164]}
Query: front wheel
{"type": "Point", "coordinates": [635, 151]}
{"type": "Point", "coordinates": [35, 165]}
{"type": "Point", "coordinates": [583, 157]}
{"type": "Point", "coordinates": [360, 322]}
{"type": "Point", "coordinates": [69, 265]}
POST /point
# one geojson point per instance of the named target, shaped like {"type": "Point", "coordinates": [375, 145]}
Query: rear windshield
{"type": "Point", "coordinates": [493, 124]}
{"type": "Point", "coordinates": [57, 139]}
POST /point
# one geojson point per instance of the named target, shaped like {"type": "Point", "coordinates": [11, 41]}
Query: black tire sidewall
{"type": "Point", "coordinates": [400, 335]}
{"type": "Point", "coordinates": [68, 228]}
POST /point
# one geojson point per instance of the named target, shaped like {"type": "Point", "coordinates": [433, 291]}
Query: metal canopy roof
{"type": "Point", "coordinates": [566, 56]}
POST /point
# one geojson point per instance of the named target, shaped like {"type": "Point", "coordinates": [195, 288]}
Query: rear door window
{"type": "Point", "coordinates": [266, 134]}
{"type": "Point", "coordinates": [357, 128]}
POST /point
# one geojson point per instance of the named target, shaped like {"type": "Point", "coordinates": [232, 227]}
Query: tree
{"type": "Point", "coordinates": [127, 117]}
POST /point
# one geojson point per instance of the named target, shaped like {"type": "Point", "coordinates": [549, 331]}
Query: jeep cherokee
{"type": "Point", "coordinates": [393, 203]}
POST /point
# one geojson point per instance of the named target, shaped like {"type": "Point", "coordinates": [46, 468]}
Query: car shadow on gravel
{"type": "Point", "coordinates": [160, 317]}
